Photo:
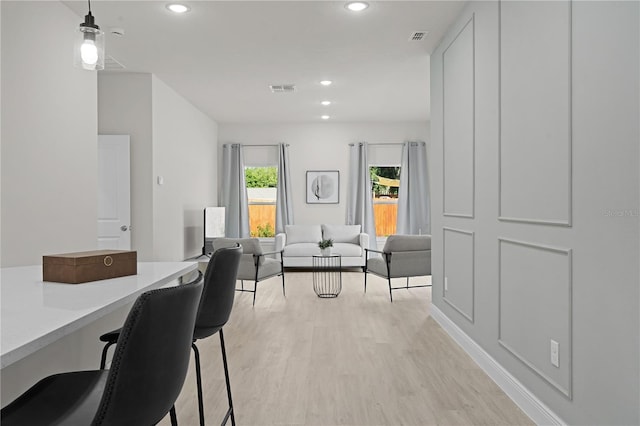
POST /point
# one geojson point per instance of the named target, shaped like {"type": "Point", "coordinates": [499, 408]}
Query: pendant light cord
{"type": "Point", "coordinates": [89, 6]}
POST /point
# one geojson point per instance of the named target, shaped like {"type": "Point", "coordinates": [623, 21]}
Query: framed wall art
{"type": "Point", "coordinates": [323, 187]}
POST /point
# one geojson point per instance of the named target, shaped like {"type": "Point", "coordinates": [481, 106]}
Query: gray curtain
{"type": "Point", "coordinates": [284, 200]}
{"type": "Point", "coordinates": [413, 194]}
{"type": "Point", "coordinates": [359, 192]}
{"type": "Point", "coordinates": [234, 192]}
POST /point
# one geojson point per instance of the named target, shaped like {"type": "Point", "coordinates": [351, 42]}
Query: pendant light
{"type": "Point", "coordinates": [89, 49]}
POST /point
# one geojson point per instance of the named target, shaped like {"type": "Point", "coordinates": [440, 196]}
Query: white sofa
{"type": "Point", "coordinates": [299, 242]}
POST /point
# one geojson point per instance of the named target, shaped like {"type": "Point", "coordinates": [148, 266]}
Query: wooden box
{"type": "Point", "coordinates": [82, 267]}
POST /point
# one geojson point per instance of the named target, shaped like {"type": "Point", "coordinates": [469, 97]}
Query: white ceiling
{"type": "Point", "coordinates": [223, 55]}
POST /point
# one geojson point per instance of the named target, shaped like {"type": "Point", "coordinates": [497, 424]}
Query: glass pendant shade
{"type": "Point", "coordinates": [89, 46]}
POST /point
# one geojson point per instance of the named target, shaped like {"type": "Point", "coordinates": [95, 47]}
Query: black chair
{"type": "Point", "coordinates": [213, 313]}
{"type": "Point", "coordinates": [145, 378]}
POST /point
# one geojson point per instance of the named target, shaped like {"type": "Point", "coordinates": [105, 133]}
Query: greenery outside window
{"type": "Point", "coordinates": [261, 190]}
{"type": "Point", "coordinates": [385, 181]}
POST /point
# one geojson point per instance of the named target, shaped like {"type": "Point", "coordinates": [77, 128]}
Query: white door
{"type": "Point", "coordinates": [114, 203]}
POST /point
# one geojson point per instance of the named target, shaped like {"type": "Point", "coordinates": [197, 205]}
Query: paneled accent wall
{"type": "Point", "coordinates": [535, 288]}
{"type": "Point", "coordinates": [535, 112]}
{"type": "Point", "coordinates": [458, 71]}
{"type": "Point", "coordinates": [458, 254]}
{"type": "Point", "coordinates": [536, 193]}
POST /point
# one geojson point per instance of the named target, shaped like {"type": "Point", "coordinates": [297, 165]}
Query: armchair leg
{"type": "Point", "coordinates": [255, 290]}
{"type": "Point", "coordinates": [196, 354]}
{"type": "Point", "coordinates": [283, 293]}
{"type": "Point", "coordinates": [365, 281]}
{"type": "Point", "coordinates": [390, 295]}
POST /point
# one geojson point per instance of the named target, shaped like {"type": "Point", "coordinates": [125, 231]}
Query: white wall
{"type": "Point", "coordinates": [320, 146]}
{"type": "Point", "coordinates": [49, 136]}
{"type": "Point", "coordinates": [185, 155]}
{"type": "Point", "coordinates": [543, 240]}
{"type": "Point", "coordinates": [124, 107]}
{"type": "Point", "coordinates": [169, 138]}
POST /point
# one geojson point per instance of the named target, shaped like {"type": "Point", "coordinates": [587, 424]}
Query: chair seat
{"type": "Point", "coordinates": [403, 264]}
{"type": "Point", "coordinates": [61, 399]}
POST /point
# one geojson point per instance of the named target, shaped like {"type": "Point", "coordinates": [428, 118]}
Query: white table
{"type": "Point", "coordinates": [36, 313]}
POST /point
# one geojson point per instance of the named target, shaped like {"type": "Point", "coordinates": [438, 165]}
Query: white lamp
{"type": "Point", "coordinates": [89, 47]}
{"type": "Point", "coordinates": [213, 227]}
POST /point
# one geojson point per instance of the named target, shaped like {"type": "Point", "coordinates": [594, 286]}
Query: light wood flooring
{"type": "Point", "coordinates": [357, 359]}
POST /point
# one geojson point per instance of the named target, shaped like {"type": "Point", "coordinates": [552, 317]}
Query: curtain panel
{"type": "Point", "coordinates": [284, 199]}
{"type": "Point", "coordinates": [413, 194]}
{"type": "Point", "coordinates": [359, 193]}
{"type": "Point", "coordinates": [234, 192]}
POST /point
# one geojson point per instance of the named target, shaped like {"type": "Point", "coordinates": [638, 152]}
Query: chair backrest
{"type": "Point", "coordinates": [219, 290]}
{"type": "Point", "coordinates": [398, 243]}
{"type": "Point", "coordinates": [152, 357]}
{"type": "Point", "coordinates": [410, 255]}
{"type": "Point", "coordinates": [250, 247]}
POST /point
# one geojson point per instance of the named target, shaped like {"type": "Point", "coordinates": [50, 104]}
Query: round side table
{"type": "Point", "coordinates": [327, 275]}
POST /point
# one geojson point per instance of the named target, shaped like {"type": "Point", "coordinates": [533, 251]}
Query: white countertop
{"type": "Point", "coordinates": [35, 313]}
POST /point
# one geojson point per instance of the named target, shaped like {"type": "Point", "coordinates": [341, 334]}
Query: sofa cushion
{"type": "Point", "coordinates": [407, 243]}
{"type": "Point", "coordinates": [346, 249]}
{"type": "Point", "coordinates": [342, 233]}
{"type": "Point", "coordinates": [301, 250]}
{"type": "Point", "coordinates": [303, 234]}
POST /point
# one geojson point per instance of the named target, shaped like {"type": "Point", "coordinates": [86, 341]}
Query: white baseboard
{"type": "Point", "coordinates": [521, 396]}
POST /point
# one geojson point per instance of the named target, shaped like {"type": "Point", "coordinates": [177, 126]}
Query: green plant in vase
{"type": "Point", "coordinates": [325, 246]}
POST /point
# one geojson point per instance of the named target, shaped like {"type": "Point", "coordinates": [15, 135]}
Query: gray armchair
{"type": "Point", "coordinates": [403, 256]}
{"type": "Point", "coordinates": [255, 265]}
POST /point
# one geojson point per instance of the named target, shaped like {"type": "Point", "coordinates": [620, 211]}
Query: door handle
{"type": "Point", "coordinates": [124, 228]}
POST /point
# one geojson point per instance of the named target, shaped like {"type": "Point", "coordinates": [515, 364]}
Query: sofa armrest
{"type": "Point", "coordinates": [271, 253]}
{"type": "Point", "coordinates": [364, 241]}
{"type": "Point", "coordinates": [281, 241]}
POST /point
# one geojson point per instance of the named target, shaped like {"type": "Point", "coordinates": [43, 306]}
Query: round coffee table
{"type": "Point", "coordinates": [327, 275]}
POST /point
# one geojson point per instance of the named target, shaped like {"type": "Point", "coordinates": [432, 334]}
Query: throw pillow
{"type": "Point", "coordinates": [342, 233]}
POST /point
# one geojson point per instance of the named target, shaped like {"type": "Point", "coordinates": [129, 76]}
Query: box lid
{"type": "Point", "coordinates": [87, 257]}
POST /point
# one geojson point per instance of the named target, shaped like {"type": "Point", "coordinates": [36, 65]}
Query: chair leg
{"type": "Point", "coordinates": [196, 354]}
{"type": "Point", "coordinates": [390, 295]}
{"type": "Point", "coordinates": [283, 293]}
{"type": "Point", "coordinates": [365, 281]}
{"type": "Point", "coordinates": [230, 411]}
{"type": "Point", "coordinates": [103, 358]}
{"type": "Point", "coordinates": [174, 418]}
{"type": "Point", "coordinates": [255, 290]}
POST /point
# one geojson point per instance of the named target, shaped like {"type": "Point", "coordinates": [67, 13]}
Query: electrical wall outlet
{"type": "Point", "coordinates": [446, 284]}
{"type": "Point", "coordinates": [555, 353]}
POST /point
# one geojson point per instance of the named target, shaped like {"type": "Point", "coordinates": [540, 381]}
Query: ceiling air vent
{"type": "Point", "coordinates": [418, 35]}
{"type": "Point", "coordinates": [282, 88]}
{"type": "Point", "coordinates": [110, 64]}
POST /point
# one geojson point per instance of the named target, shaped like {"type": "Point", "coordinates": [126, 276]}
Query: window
{"type": "Point", "coordinates": [386, 182]}
{"type": "Point", "coordinates": [261, 190]}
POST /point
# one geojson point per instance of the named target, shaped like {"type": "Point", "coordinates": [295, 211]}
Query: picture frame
{"type": "Point", "coordinates": [323, 186]}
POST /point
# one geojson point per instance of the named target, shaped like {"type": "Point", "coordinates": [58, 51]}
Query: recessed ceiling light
{"type": "Point", "coordinates": [325, 117]}
{"type": "Point", "coordinates": [178, 7]}
{"type": "Point", "coordinates": [326, 82]}
{"type": "Point", "coordinates": [357, 6]}
{"type": "Point", "coordinates": [326, 103]}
